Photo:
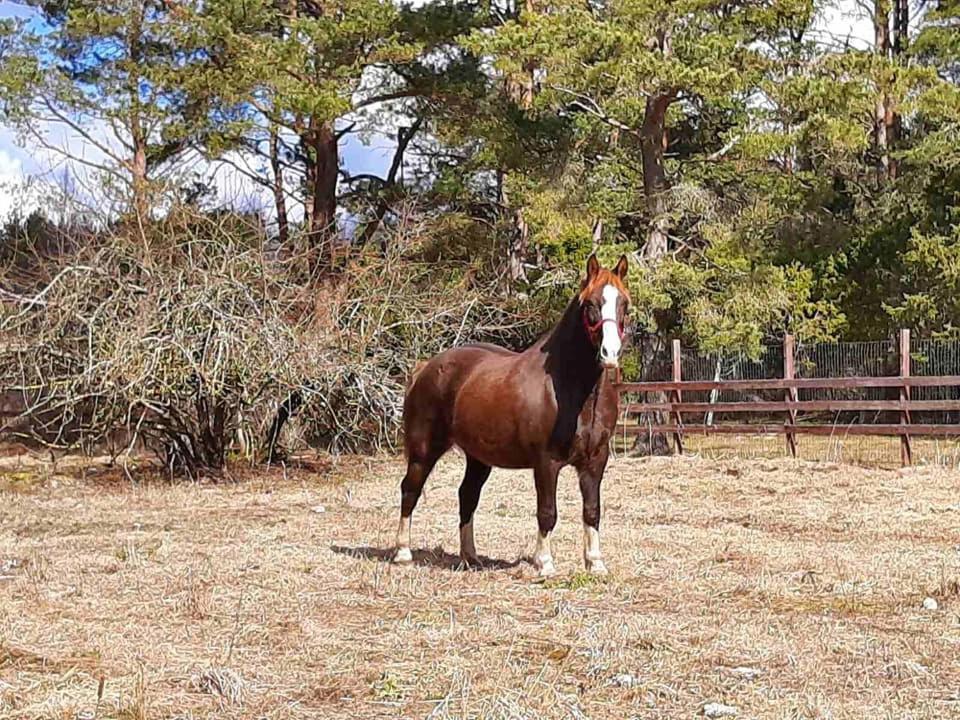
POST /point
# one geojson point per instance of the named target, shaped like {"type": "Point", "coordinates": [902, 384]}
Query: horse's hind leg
{"type": "Point", "coordinates": [473, 479]}
{"type": "Point", "coordinates": [419, 466]}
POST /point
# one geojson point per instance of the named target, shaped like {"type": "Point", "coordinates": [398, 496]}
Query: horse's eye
{"type": "Point", "coordinates": [593, 314]}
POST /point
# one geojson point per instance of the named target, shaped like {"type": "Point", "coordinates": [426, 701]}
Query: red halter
{"type": "Point", "coordinates": [594, 328]}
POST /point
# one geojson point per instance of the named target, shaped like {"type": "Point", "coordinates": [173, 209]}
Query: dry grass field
{"type": "Point", "coordinates": [784, 589]}
{"type": "Point", "coordinates": [871, 451]}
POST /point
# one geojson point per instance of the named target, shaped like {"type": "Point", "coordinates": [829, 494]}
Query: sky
{"type": "Point", "coordinates": [24, 167]}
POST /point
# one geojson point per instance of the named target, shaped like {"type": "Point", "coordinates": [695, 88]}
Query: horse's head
{"type": "Point", "coordinates": [604, 303]}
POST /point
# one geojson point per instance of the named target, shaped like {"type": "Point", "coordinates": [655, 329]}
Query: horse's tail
{"type": "Point", "coordinates": [417, 369]}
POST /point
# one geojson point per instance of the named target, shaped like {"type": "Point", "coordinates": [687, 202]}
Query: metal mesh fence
{"type": "Point", "coordinates": [849, 359]}
{"type": "Point", "coordinates": [935, 357]}
{"type": "Point", "coordinates": [845, 359]}
{"type": "Point", "coordinates": [730, 366]}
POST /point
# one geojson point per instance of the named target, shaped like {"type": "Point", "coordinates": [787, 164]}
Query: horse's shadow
{"type": "Point", "coordinates": [436, 558]}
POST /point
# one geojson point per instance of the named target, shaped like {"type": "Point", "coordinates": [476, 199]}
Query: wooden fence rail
{"type": "Point", "coordinates": [791, 406]}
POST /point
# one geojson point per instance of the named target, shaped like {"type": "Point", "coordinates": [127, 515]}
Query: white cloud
{"type": "Point", "coordinates": [11, 173]}
{"type": "Point", "coordinates": [845, 24]}
{"type": "Point", "coordinates": [232, 188]}
{"type": "Point", "coordinates": [14, 10]}
{"type": "Point", "coordinates": [17, 193]}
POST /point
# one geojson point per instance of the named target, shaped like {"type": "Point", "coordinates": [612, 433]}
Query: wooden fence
{"type": "Point", "coordinates": [669, 404]}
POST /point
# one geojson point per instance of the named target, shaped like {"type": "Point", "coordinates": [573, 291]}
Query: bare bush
{"type": "Point", "coordinates": [169, 335]}
{"type": "Point", "coordinates": [186, 339]}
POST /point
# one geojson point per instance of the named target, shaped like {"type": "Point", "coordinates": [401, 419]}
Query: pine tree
{"type": "Point", "coordinates": [114, 74]}
{"type": "Point", "coordinates": [291, 71]}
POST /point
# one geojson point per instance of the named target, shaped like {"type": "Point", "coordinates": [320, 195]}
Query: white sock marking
{"type": "Point", "coordinates": [592, 558]}
{"type": "Point", "coordinates": [404, 555]}
{"type": "Point", "coordinates": [542, 557]}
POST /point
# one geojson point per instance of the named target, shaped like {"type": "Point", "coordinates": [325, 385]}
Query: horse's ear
{"type": "Point", "coordinates": [593, 267]}
{"type": "Point", "coordinates": [621, 269]}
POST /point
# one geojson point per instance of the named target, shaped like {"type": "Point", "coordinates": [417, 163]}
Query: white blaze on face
{"type": "Point", "coordinates": [610, 344]}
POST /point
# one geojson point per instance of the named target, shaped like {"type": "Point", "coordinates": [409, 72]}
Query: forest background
{"type": "Point", "coordinates": [767, 170]}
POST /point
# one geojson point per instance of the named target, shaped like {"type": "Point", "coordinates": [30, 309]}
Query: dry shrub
{"type": "Point", "coordinates": [189, 339]}
{"type": "Point", "coordinates": [169, 336]}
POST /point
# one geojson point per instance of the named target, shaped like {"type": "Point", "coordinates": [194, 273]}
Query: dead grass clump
{"type": "Point", "coordinates": [136, 553]}
{"type": "Point", "coordinates": [223, 683]}
{"type": "Point", "coordinates": [193, 596]}
{"type": "Point", "coordinates": [21, 659]}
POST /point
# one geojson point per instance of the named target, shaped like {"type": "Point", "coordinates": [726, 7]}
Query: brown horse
{"type": "Point", "coordinates": [549, 406]}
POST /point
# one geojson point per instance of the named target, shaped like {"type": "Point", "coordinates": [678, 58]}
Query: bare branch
{"type": "Point", "coordinates": [727, 147]}
{"type": "Point", "coordinates": [589, 105]}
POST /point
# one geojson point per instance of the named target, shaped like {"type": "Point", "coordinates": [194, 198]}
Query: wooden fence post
{"type": "Point", "coordinates": [906, 452]}
{"type": "Point", "coordinates": [789, 373]}
{"type": "Point", "coordinates": [677, 377]}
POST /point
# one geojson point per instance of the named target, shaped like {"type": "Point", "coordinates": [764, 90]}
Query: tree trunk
{"type": "Point", "coordinates": [517, 250]}
{"type": "Point", "coordinates": [653, 145]}
{"type": "Point", "coordinates": [279, 196]}
{"type": "Point", "coordinates": [141, 195]}
{"type": "Point", "coordinates": [652, 367]}
{"type": "Point", "coordinates": [881, 32]}
{"type": "Point", "coordinates": [901, 27]}
{"type": "Point", "coordinates": [138, 136]}
{"type": "Point", "coordinates": [653, 141]}
{"type": "Point", "coordinates": [394, 177]}
{"type": "Point", "coordinates": [901, 40]}
{"type": "Point", "coordinates": [521, 90]}
{"type": "Point", "coordinates": [518, 247]}
{"type": "Point", "coordinates": [322, 166]}
{"type": "Point", "coordinates": [597, 234]}
{"type": "Point", "coordinates": [655, 183]}
{"type": "Point", "coordinates": [655, 188]}
{"type": "Point", "coordinates": [288, 408]}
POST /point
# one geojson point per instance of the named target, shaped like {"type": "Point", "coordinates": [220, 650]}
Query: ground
{"type": "Point", "coordinates": [271, 596]}
{"type": "Point", "coordinates": [868, 450]}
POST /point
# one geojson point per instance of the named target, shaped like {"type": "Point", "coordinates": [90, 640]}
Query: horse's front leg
{"type": "Point", "coordinates": [545, 478]}
{"type": "Point", "coordinates": [591, 475]}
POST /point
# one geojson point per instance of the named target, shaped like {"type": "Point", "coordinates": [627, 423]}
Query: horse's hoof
{"type": "Point", "coordinates": [403, 556]}
{"type": "Point", "coordinates": [470, 562]}
{"type": "Point", "coordinates": [596, 567]}
{"type": "Point", "coordinates": [547, 569]}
